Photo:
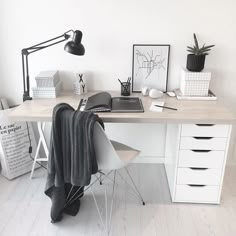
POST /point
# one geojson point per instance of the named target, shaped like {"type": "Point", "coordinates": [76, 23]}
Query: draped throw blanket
{"type": "Point", "coordinates": [72, 158]}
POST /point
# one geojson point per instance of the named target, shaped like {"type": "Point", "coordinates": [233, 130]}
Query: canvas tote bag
{"type": "Point", "coordinates": [15, 140]}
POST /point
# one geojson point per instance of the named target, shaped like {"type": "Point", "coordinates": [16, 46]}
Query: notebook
{"type": "Point", "coordinates": [103, 102]}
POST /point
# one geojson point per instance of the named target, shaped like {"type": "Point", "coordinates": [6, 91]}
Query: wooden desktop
{"type": "Point", "coordinates": [212, 112]}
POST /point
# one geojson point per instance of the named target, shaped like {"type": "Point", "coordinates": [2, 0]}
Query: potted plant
{"type": "Point", "coordinates": [196, 58]}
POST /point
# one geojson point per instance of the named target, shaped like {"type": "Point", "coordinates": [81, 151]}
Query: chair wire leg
{"type": "Point", "coordinates": [112, 201]}
{"type": "Point", "coordinates": [107, 224]}
{"type": "Point", "coordinates": [100, 179]}
{"type": "Point", "coordinates": [96, 204]}
{"type": "Point", "coordinates": [74, 197]}
{"type": "Point", "coordinates": [102, 176]}
{"type": "Point", "coordinates": [134, 191]}
{"type": "Point", "coordinates": [68, 195]}
{"type": "Point", "coordinates": [106, 208]}
{"type": "Point", "coordinates": [135, 186]}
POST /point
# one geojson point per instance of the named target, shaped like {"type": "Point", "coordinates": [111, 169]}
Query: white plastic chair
{"type": "Point", "coordinates": [112, 156]}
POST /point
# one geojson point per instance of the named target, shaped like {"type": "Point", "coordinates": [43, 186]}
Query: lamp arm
{"type": "Point", "coordinates": [45, 44]}
{"type": "Point", "coordinates": [26, 51]}
{"type": "Point", "coordinates": [35, 49]}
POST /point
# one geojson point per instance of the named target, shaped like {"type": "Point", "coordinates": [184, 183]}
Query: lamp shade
{"type": "Point", "coordinates": [74, 46]}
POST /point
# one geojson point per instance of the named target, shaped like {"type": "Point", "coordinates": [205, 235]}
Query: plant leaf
{"type": "Point", "coordinates": [205, 50]}
{"type": "Point", "coordinates": [195, 40]}
{"type": "Point", "coordinates": [210, 46]}
{"type": "Point", "coordinates": [190, 48]}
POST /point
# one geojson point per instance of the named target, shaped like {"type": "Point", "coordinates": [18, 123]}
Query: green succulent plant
{"type": "Point", "coordinates": [196, 50]}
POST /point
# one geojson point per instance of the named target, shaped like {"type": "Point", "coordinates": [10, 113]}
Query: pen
{"type": "Point", "coordinates": [128, 81]}
{"type": "Point", "coordinates": [171, 108]}
{"type": "Point", "coordinates": [120, 81]}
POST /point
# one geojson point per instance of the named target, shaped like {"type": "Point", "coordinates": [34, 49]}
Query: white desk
{"type": "Point", "coordinates": [195, 155]}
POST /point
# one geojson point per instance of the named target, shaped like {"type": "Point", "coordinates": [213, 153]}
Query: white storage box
{"type": "Point", "coordinates": [47, 92]}
{"type": "Point", "coordinates": [47, 79]}
{"type": "Point", "coordinates": [195, 83]}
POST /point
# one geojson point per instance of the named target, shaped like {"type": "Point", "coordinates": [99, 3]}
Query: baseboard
{"type": "Point", "coordinates": [152, 159]}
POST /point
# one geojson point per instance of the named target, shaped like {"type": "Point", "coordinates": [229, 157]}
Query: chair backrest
{"type": "Point", "coordinates": [107, 157]}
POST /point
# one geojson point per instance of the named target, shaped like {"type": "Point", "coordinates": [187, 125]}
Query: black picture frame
{"type": "Point", "coordinates": [150, 66]}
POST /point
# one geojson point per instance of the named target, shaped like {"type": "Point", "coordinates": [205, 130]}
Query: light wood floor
{"type": "Point", "coordinates": [24, 209]}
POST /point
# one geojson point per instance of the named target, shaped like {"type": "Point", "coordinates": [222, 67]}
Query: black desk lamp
{"type": "Point", "coordinates": [74, 47]}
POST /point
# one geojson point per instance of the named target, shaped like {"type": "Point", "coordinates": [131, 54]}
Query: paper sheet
{"type": "Point", "coordinates": [4, 104]}
{"type": "Point", "coordinates": [156, 109]}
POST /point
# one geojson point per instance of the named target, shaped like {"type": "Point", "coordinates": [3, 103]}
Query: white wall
{"type": "Point", "coordinates": [110, 29]}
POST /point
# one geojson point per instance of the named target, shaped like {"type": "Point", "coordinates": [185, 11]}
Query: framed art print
{"type": "Point", "coordinates": [150, 66]}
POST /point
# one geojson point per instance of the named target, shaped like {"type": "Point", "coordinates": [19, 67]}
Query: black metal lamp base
{"type": "Point", "coordinates": [26, 97]}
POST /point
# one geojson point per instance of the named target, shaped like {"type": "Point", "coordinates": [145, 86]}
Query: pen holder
{"type": "Point", "coordinates": [125, 89]}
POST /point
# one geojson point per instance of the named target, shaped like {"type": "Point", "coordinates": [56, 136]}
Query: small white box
{"type": "Point", "coordinates": [80, 85]}
{"type": "Point", "coordinates": [47, 79]}
{"type": "Point", "coordinates": [195, 83]}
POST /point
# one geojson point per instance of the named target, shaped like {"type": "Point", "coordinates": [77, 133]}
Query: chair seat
{"type": "Point", "coordinates": [125, 153]}
{"type": "Point", "coordinates": [111, 155]}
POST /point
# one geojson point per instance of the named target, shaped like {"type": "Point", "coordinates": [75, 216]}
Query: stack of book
{"type": "Point", "coordinates": [48, 85]}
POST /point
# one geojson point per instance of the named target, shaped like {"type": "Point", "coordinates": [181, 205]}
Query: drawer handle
{"type": "Point", "coordinates": [197, 150]}
{"type": "Point", "coordinates": [205, 124]}
{"type": "Point", "coordinates": [196, 168]}
{"type": "Point", "coordinates": [203, 138]}
{"type": "Point", "coordinates": [196, 185]}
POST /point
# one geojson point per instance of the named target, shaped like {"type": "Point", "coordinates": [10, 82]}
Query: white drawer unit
{"type": "Point", "coordinates": [203, 143]}
{"type": "Point", "coordinates": [199, 176]}
{"type": "Point", "coordinates": [197, 193]}
{"type": "Point", "coordinates": [201, 158]}
{"type": "Point", "coordinates": [205, 130]}
{"type": "Point", "coordinates": [195, 161]}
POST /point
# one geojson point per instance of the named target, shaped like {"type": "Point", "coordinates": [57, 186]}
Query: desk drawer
{"type": "Point", "coordinates": [204, 194]}
{"type": "Point", "coordinates": [199, 176]}
{"type": "Point", "coordinates": [203, 143]}
{"type": "Point", "coordinates": [205, 130]}
{"type": "Point", "coordinates": [201, 158]}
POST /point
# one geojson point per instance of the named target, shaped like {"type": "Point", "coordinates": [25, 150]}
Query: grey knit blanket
{"type": "Point", "coordinates": [72, 158]}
